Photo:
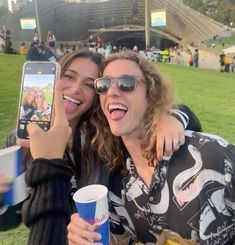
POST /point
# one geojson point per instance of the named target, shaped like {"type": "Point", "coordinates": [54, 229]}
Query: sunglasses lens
{"type": "Point", "coordinates": [102, 85]}
{"type": "Point", "coordinates": [127, 84]}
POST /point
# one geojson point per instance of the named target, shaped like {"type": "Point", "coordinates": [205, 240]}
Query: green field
{"type": "Point", "coordinates": [208, 93]}
{"type": "Point", "coordinates": [10, 78]}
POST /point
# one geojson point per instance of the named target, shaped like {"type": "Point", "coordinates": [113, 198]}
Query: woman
{"type": "Point", "coordinates": [36, 36]}
{"type": "Point", "coordinates": [28, 106]}
{"type": "Point", "coordinates": [79, 70]}
{"type": "Point", "coordinates": [42, 109]}
{"type": "Point", "coordinates": [51, 41]}
{"type": "Point", "coordinates": [195, 186]}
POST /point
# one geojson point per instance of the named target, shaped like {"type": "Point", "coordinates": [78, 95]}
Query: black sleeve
{"type": "Point", "coordinates": [47, 210]}
{"type": "Point", "coordinates": [187, 117]}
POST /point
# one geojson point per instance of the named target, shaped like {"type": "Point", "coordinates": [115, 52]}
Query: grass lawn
{"type": "Point", "coordinates": [17, 236]}
{"type": "Point", "coordinates": [208, 93]}
{"type": "Point", "coordinates": [10, 79]}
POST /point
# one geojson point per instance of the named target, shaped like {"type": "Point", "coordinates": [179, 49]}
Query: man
{"type": "Point", "coordinates": [191, 193]}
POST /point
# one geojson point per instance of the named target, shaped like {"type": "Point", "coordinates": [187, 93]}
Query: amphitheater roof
{"type": "Point", "coordinates": [72, 21]}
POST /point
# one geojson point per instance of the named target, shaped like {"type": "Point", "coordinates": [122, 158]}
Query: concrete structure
{"type": "Point", "coordinates": [15, 5]}
{"type": "Point", "coordinates": [116, 20]}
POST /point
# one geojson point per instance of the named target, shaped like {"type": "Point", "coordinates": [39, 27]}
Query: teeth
{"type": "Point", "coordinates": [72, 99]}
{"type": "Point", "coordinates": [114, 107]}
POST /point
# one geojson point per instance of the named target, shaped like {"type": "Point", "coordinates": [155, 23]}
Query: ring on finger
{"type": "Point", "coordinates": [176, 143]}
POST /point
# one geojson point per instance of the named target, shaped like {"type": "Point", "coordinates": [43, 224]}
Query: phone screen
{"type": "Point", "coordinates": [36, 100]}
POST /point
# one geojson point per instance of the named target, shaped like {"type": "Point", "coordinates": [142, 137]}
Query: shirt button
{"type": "Point", "coordinates": [151, 198]}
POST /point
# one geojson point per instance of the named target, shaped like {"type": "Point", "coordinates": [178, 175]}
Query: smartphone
{"type": "Point", "coordinates": [36, 96]}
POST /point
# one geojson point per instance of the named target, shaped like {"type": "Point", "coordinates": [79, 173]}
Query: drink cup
{"type": "Point", "coordinates": [11, 167]}
{"type": "Point", "coordinates": [92, 205]}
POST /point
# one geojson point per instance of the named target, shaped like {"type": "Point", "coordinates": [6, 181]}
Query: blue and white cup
{"type": "Point", "coordinates": [92, 205]}
{"type": "Point", "coordinates": [11, 167]}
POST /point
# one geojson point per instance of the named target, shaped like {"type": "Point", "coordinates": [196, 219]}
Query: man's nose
{"type": "Point", "coordinates": [114, 90]}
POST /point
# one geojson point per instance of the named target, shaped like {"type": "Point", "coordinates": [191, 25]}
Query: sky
{"type": "Point", "coordinates": [39, 81]}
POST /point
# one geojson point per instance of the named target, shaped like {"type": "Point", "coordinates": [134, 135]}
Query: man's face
{"type": "Point", "coordinates": [124, 110]}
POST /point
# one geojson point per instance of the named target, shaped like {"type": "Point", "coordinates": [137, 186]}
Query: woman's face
{"type": "Point", "coordinates": [31, 96]}
{"type": "Point", "coordinates": [39, 98]}
{"type": "Point", "coordinates": [78, 87]}
{"type": "Point", "coordinates": [124, 110]}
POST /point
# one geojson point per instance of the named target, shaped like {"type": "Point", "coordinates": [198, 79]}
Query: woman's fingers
{"type": "Point", "coordinates": [170, 136]}
{"type": "Point", "coordinates": [34, 130]}
{"type": "Point", "coordinates": [182, 138]}
{"type": "Point", "coordinates": [23, 143]}
{"type": "Point", "coordinates": [60, 115]}
{"type": "Point", "coordinates": [4, 184]}
{"type": "Point", "coordinates": [61, 123]}
{"type": "Point", "coordinates": [4, 188]}
{"type": "Point", "coordinates": [167, 145]}
{"type": "Point", "coordinates": [160, 147]}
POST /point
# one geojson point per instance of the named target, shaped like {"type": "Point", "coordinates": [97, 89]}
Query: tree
{"type": "Point", "coordinates": [222, 11]}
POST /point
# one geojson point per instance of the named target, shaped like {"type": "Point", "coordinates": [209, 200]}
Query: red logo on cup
{"type": "Point", "coordinates": [97, 221]}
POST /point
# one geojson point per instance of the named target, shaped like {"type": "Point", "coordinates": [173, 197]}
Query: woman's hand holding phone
{"type": "Point", "coordinates": [37, 92]}
{"type": "Point", "coordinates": [50, 144]}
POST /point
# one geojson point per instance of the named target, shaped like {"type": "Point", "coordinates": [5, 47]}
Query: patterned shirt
{"type": "Point", "coordinates": [192, 194]}
{"type": "Point", "coordinates": [42, 115]}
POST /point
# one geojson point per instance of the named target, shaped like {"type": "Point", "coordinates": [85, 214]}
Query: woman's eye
{"type": "Point", "coordinates": [68, 76]}
{"type": "Point", "coordinates": [89, 85]}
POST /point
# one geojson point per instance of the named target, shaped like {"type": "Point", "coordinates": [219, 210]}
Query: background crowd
{"type": "Point", "coordinates": [51, 50]}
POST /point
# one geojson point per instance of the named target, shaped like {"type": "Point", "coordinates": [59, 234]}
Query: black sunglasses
{"type": "Point", "coordinates": [125, 83]}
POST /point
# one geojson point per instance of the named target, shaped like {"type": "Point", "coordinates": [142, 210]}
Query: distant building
{"type": "Point", "coordinates": [122, 22]}
{"type": "Point", "coordinates": [85, 1]}
{"type": "Point", "coordinates": [14, 5]}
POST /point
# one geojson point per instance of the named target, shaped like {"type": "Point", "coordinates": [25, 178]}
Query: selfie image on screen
{"type": "Point", "coordinates": [36, 104]}
{"type": "Point", "coordinates": [36, 100]}
{"type": "Point", "coordinates": [37, 97]}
